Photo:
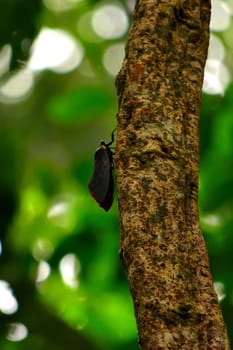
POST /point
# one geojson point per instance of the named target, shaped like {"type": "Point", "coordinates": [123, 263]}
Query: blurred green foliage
{"type": "Point", "coordinates": [47, 142]}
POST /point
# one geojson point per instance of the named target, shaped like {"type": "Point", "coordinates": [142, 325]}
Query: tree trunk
{"type": "Point", "coordinates": [157, 164]}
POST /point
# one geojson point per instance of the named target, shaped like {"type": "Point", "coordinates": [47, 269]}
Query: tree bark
{"type": "Point", "coordinates": [157, 164]}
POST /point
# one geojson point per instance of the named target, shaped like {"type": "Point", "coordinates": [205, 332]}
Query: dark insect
{"type": "Point", "coordinates": [101, 185]}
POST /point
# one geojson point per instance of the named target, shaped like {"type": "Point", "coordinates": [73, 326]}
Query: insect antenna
{"type": "Point", "coordinates": [112, 139]}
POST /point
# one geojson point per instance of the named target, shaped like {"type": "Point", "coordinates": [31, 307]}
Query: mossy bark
{"type": "Point", "coordinates": [157, 166]}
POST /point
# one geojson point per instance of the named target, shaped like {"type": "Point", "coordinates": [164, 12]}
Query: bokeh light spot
{"type": "Point", "coordinates": [216, 49]}
{"type": "Point", "coordinates": [57, 50]}
{"type": "Point", "coordinates": [113, 58]}
{"type": "Point", "coordinates": [17, 332]}
{"type": "Point", "coordinates": [220, 16]}
{"type": "Point", "coordinates": [216, 78]}
{"type": "Point", "coordinates": [219, 289]}
{"type": "Point", "coordinates": [43, 271]}
{"type": "Point", "coordinates": [62, 213]}
{"type": "Point", "coordinates": [60, 5]}
{"type": "Point", "coordinates": [42, 249]}
{"type": "Point", "coordinates": [17, 87]}
{"type": "Point", "coordinates": [85, 29]}
{"type": "Point", "coordinates": [110, 22]}
{"type": "Point", "coordinates": [212, 220]}
{"type": "Point", "coordinates": [5, 57]}
{"type": "Point", "coordinates": [8, 303]}
{"type": "Point", "coordinates": [69, 267]}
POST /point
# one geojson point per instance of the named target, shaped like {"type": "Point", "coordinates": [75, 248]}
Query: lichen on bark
{"type": "Point", "coordinates": [157, 165]}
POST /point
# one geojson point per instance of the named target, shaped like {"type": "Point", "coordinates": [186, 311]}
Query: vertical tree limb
{"type": "Point", "coordinates": [157, 164]}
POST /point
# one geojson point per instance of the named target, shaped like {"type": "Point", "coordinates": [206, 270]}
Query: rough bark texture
{"type": "Point", "coordinates": [157, 164]}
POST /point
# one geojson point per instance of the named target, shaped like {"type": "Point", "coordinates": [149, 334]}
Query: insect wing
{"type": "Point", "coordinates": [107, 203]}
{"type": "Point", "coordinates": [101, 183]}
